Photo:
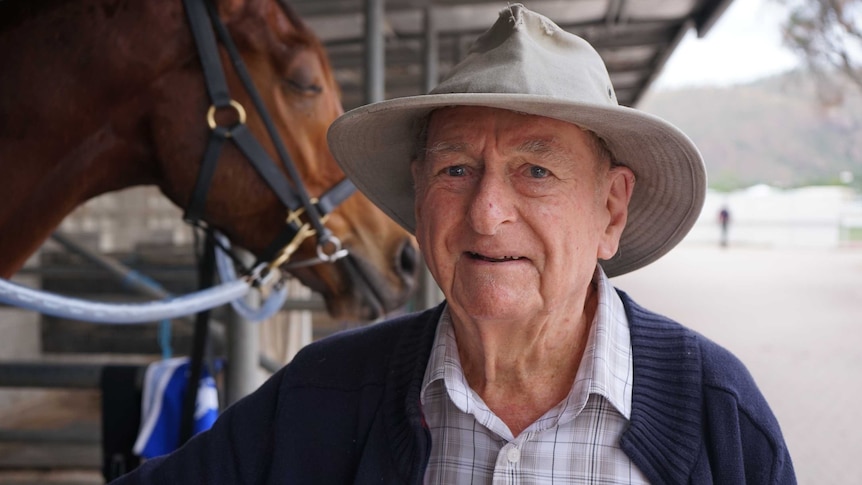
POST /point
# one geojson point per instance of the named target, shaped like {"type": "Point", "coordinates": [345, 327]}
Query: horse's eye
{"type": "Point", "coordinates": [304, 89]}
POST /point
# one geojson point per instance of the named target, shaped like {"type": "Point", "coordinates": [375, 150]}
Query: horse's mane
{"type": "Point", "coordinates": [13, 12]}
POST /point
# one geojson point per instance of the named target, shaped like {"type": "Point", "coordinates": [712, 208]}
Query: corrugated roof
{"type": "Point", "coordinates": [635, 37]}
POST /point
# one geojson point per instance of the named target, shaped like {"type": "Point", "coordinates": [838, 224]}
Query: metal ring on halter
{"type": "Point", "coordinates": [264, 276]}
{"type": "Point", "coordinates": [240, 112]}
{"type": "Point", "coordinates": [336, 253]}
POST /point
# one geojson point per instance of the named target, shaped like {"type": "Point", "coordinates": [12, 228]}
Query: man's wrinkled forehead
{"type": "Point", "coordinates": [545, 143]}
{"type": "Point", "coordinates": [541, 147]}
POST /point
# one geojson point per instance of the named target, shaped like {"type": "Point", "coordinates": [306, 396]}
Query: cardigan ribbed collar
{"type": "Point", "coordinates": [665, 433]}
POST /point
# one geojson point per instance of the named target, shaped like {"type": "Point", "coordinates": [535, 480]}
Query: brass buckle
{"type": "Point", "coordinates": [293, 216]}
{"type": "Point", "coordinates": [328, 249]}
{"type": "Point", "coordinates": [305, 232]}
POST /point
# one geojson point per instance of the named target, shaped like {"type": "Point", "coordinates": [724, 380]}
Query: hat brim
{"type": "Point", "coordinates": [374, 145]}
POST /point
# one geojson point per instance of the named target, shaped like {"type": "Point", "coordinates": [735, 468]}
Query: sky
{"type": "Point", "coordinates": [745, 44]}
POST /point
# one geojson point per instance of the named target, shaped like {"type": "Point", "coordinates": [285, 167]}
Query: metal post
{"type": "Point", "coordinates": [432, 49]}
{"type": "Point", "coordinates": [458, 49]}
{"type": "Point", "coordinates": [129, 277]}
{"type": "Point", "coordinates": [375, 51]}
{"type": "Point", "coordinates": [428, 294]}
{"type": "Point", "coordinates": [243, 348]}
{"type": "Point", "coordinates": [300, 329]}
{"type": "Point", "coordinates": [71, 375]}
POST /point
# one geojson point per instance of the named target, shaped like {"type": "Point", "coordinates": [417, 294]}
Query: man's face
{"type": "Point", "coordinates": [512, 211]}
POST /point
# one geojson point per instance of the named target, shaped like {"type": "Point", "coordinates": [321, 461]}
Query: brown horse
{"type": "Point", "coordinates": [99, 95]}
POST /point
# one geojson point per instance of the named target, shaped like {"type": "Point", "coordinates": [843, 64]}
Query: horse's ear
{"type": "Point", "coordinates": [232, 9]}
{"type": "Point", "coordinates": [268, 9]}
{"type": "Point", "coordinates": [279, 20]}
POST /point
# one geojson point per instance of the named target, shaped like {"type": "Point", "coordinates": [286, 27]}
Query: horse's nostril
{"type": "Point", "coordinates": [408, 259]}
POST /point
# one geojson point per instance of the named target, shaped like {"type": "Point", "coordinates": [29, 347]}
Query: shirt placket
{"type": "Point", "coordinates": [507, 469]}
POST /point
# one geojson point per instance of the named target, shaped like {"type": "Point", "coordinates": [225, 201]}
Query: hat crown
{"type": "Point", "coordinates": [527, 53]}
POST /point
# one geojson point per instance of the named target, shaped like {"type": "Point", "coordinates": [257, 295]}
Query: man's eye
{"type": "Point", "coordinates": [456, 171]}
{"type": "Point", "coordinates": [539, 172]}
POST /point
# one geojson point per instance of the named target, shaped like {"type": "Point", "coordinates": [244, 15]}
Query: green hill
{"type": "Point", "coordinates": [772, 131]}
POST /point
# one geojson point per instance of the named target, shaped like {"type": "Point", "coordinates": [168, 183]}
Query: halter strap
{"type": "Point", "coordinates": [292, 195]}
{"type": "Point", "coordinates": [323, 206]}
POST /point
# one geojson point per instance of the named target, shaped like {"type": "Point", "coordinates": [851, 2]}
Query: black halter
{"type": "Point", "coordinates": [204, 19]}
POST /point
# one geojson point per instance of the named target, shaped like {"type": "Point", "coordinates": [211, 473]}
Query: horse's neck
{"type": "Point", "coordinates": [38, 195]}
{"type": "Point", "coordinates": [75, 127]}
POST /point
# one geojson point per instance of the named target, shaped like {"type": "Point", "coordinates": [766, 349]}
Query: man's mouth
{"type": "Point", "coordinates": [502, 259]}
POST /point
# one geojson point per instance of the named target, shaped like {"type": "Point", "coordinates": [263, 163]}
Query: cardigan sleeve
{"type": "Point", "coordinates": [745, 443]}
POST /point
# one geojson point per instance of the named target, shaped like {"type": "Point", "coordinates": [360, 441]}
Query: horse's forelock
{"type": "Point", "coordinates": [294, 17]}
{"type": "Point", "coordinates": [303, 35]}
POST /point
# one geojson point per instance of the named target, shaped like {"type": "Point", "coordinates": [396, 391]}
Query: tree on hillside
{"type": "Point", "coordinates": [827, 35]}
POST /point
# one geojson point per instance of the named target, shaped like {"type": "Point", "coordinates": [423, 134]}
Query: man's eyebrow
{"type": "Point", "coordinates": [443, 147]}
{"type": "Point", "coordinates": [546, 149]}
{"type": "Point", "coordinates": [535, 146]}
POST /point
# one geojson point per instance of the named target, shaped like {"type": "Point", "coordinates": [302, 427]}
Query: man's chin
{"type": "Point", "coordinates": [488, 308]}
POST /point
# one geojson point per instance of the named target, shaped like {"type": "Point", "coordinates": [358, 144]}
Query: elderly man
{"type": "Point", "coordinates": [526, 186]}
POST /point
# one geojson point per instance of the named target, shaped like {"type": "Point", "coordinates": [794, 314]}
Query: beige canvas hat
{"type": "Point", "coordinates": [526, 63]}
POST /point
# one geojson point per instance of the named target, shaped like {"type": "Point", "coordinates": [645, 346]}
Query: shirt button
{"type": "Point", "coordinates": [513, 455]}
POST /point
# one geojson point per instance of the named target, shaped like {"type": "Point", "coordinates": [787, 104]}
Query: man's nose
{"type": "Point", "coordinates": [493, 204]}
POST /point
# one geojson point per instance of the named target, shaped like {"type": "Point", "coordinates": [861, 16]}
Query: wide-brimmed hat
{"type": "Point", "coordinates": [526, 63]}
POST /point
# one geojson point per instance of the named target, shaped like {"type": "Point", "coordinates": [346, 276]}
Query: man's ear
{"type": "Point", "coordinates": [621, 185]}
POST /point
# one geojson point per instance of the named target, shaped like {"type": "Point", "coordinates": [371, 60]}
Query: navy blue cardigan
{"type": "Point", "coordinates": [346, 410]}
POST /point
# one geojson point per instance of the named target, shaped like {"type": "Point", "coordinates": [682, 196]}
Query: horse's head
{"type": "Point", "coordinates": [294, 79]}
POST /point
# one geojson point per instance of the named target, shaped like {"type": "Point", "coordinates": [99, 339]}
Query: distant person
{"type": "Point", "coordinates": [724, 221]}
{"type": "Point", "coordinates": [527, 187]}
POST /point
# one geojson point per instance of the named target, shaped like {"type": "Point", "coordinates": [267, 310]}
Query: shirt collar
{"type": "Point", "coordinates": [605, 369]}
{"type": "Point", "coordinates": [609, 350]}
